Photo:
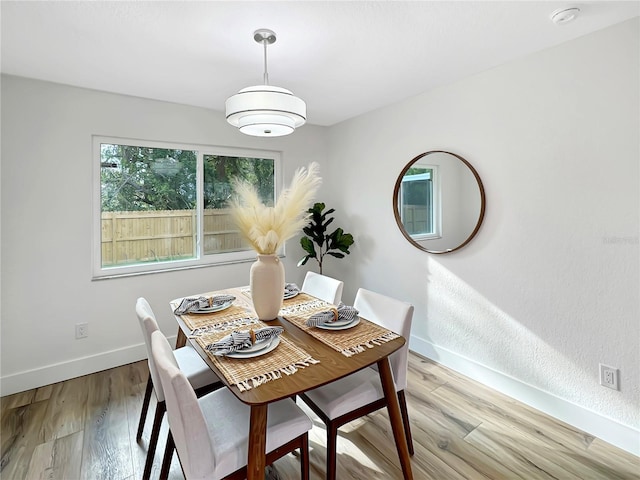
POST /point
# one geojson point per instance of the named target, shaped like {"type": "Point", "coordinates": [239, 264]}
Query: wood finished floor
{"type": "Point", "coordinates": [85, 429]}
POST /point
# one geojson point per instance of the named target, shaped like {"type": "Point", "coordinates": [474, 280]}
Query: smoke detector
{"type": "Point", "coordinates": [565, 15]}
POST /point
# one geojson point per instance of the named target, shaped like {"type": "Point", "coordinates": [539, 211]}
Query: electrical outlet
{"type": "Point", "coordinates": [609, 377]}
{"type": "Point", "coordinates": [82, 330]}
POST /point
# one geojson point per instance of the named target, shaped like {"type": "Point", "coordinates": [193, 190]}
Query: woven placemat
{"type": "Point", "coordinates": [349, 342]}
{"type": "Point", "coordinates": [199, 320]}
{"type": "Point", "coordinates": [248, 373]}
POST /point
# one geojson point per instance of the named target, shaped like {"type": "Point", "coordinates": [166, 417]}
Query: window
{"type": "Point", "coordinates": [162, 206]}
{"type": "Point", "coordinates": [420, 202]}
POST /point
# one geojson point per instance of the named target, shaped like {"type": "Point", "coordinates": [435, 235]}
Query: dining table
{"type": "Point", "coordinates": [305, 358]}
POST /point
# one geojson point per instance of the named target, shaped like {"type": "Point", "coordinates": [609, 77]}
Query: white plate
{"type": "Point", "coordinates": [256, 347]}
{"type": "Point", "coordinates": [268, 346]}
{"type": "Point", "coordinates": [339, 325]}
{"type": "Point", "coordinates": [215, 308]}
{"type": "Point", "coordinates": [287, 296]}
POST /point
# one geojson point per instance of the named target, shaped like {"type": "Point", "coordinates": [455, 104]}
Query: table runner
{"type": "Point", "coordinates": [248, 373]}
{"type": "Point", "coordinates": [349, 342]}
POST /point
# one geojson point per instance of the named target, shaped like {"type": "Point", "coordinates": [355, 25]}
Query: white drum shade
{"type": "Point", "coordinates": [266, 111]}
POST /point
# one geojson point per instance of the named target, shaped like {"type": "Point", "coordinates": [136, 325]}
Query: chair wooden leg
{"type": "Point", "coordinates": [304, 457]}
{"type": "Point", "coordinates": [402, 400]}
{"type": "Point", "coordinates": [332, 440]}
{"type": "Point", "coordinates": [145, 408]}
{"type": "Point", "coordinates": [153, 441]}
{"type": "Point", "coordinates": [168, 454]}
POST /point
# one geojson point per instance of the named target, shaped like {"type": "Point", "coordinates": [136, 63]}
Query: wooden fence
{"type": "Point", "coordinates": [135, 237]}
{"type": "Point", "coordinates": [415, 218]}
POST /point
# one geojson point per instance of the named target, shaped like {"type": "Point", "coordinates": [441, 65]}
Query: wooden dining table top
{"type": "Point", "coordinates": [332, 365]}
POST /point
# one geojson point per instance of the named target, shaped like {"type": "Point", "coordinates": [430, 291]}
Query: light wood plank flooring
{"type": "Point", "coordinates": [85, 429]}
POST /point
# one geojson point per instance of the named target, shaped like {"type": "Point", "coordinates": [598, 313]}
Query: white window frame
{"type": "Point", "coordinates": [436, 206]}
{"type": "Point", "coordinates": [201, 260]}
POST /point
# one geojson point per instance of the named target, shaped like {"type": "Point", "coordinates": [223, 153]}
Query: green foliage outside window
{"type": "Point", "coordinates": [219, 170]}
{"type": "Point", "coordinates": [137, 178]}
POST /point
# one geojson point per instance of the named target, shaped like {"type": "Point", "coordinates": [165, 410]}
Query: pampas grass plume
{"type": "Point", "coordinates": [267, 228]}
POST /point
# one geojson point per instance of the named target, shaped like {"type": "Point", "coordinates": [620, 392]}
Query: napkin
{"type": "Point", "coordinates": [194, 304]}
{"type": "Point", "coordinates": [343, 312]}
{"type": "Point", "coordinates": [291, 289]}
{"type": "Point", "coordinates": [239, 340]}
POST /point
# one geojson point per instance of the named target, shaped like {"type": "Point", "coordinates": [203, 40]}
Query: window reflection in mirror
{"type": "Point", "coordinates": [420, 202]}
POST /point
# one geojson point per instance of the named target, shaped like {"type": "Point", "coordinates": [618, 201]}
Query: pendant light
{"type": "Point", "coordinates": [264, 110]}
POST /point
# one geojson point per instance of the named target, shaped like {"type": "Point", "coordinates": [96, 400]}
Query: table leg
{"type": "Point", "coordinates": [257, 442]}
{"type": "Point", "coordinates": [181, 339]}
{"type": "Point", "coordinates": [386, 377]}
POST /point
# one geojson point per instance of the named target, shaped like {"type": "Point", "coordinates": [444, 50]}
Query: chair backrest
{"type": "Point", "coordinates": [323, 287]}
{"type": "Point", "coordinates": [395, 316]}
{"type": "Point", "coordinates": [148, 324]}
{"type": "Point", "coordinates": [186, 419]}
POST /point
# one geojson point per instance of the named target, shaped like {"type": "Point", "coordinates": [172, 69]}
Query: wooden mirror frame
{"type": "Point", "coordinates": [396, 211]}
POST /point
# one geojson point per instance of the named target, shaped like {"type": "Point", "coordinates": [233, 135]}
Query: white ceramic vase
{"type": "Point", "coordinates": [266, 280]}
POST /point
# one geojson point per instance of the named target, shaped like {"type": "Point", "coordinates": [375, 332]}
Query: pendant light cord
{"type": "Point", "coordinates": [266, 74]}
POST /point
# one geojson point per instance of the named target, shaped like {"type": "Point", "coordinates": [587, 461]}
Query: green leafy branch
{"type": "Point", "coordinates": [335, 244]}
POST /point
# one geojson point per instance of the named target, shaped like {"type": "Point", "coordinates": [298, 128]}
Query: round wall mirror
{"type": "Point", "coordinates": [439, 202]}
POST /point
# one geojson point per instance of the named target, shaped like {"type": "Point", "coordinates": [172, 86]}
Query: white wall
{"type": "Point", "coordinates": [47, 227]}
{"type": "Point", "coordinates": [549, 287]}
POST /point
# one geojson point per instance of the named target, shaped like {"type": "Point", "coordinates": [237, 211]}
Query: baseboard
{"type": "Point", "coordinates": [607, 429]}
{"type": "Point", "coordinates": [59, 372]}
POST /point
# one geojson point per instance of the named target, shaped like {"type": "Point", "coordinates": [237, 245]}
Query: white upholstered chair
{"type": "Point", "coordinates": [359, 394]}
{"type": "Point", "coordinates": [211, 433]}
{"type": "Point", "coordinates": [323, 287]}
{"type": "Point", "coordinates": [195, 369]}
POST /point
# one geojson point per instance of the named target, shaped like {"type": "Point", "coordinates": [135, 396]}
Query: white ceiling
{"type": "Point", "coordinates": [342, 58]}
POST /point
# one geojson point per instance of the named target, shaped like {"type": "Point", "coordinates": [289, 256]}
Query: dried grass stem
{"type": "Point", "coordinates": [267, 228]}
